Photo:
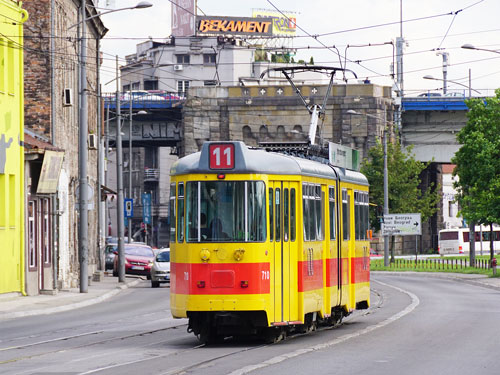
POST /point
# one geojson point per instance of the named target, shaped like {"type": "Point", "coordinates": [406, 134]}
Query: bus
{"type": "Point", "coordinates": [456, 240]}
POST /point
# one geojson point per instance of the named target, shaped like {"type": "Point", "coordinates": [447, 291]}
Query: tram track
{"type": "Point", "coordinates": [75, 347]}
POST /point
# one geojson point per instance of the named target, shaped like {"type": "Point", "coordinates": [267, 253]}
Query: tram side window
{"type": "Point", "coordinates": [180, 213]}
{"type": "Point", "coordinates": [256, 211]}
{"type": "Point", "coordinates": [286, 215]}
{"type": "Point", "coordinates": [361, 214]}
{"type": "Point", "coordinates": [346, 229]}
{"type": "Point", "coordinates": [312, 203]}
{"type": "Point", "coordinates": [331, 204]}
{"type": "Point", "coordinates": [292, 215]}
{"type": "Point", "coordinates": [192, 212]}
{"type": "Point", "coordinates": [277, 212]}
{"type": "Point", "coordinates": [171, 208]}
{"type": "Point", "coordinates": [271, 216]}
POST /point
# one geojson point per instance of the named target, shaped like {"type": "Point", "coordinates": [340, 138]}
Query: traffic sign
{"type": "Point", "coordinates": [146, 208]}
{"type": "Point", "coordinates": [402, 225]}
{"type": "Point", "coordinates": [129, 208]}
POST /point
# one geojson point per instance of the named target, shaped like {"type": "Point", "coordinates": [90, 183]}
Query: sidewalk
{"type": "Point", "coordinates": [16, 306]}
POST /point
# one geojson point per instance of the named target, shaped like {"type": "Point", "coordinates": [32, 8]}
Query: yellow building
{"type": "Point", "coordinates": [12, 261]}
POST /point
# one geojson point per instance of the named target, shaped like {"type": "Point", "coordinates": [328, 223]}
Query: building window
{"type": "Point", "coordinates": [183, 59]}
{"type": "Point", "coordinates": [209, 58]}
{"type": "Point", "coordinates": [151, 85]}
{"type": "Point", "coordinates": [182, 87]}
{"type": "Point", "coordinates": [126, 88]}
{"type": "Point", "coordinates": [46, 231]}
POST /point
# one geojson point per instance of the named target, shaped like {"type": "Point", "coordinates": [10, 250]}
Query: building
{"type": "Point", "coordinates": [52, 124]}
{"type": "Point", "coordinates": [12, 258]}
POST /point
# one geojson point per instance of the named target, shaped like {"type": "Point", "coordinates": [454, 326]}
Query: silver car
{"type": "Point", "coordinates": [160, 271]}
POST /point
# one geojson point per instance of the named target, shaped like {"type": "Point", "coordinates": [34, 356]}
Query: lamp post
{"type": "Point", "coordinates": [82, 141]}
{"type": "Point", "coordinates": [457, 83]}
{"type": "Point", "coordinates": [386, 178]}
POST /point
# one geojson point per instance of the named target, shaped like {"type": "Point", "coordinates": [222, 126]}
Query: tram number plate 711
{"type": "Point", "coordinates": [221, 156]}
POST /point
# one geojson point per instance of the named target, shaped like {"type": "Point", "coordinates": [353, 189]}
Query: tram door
{"type": "Point", "coordinates": [283, 219]}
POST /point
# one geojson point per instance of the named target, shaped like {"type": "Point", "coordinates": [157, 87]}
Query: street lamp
{"type": "Point", "coordinates": [386, 178]}
{"type": "Point", "coordinates": [457, 83]}
{"type": "Point", "coordinates": [82, 145]}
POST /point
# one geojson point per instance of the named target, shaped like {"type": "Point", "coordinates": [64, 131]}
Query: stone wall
{"type": "Point", "coordinates": [275, 113]}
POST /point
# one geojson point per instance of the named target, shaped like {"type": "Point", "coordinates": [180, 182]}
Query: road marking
{"type": "Point", "coordinates": [273, 361]}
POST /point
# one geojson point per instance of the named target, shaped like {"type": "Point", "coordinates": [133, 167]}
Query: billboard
{"type": "Point", "coordinates": [283, 24]}
{"type": "Point", "coordinates": [183, 16]}
{"type": "Point", "coordinates": [207, 25]}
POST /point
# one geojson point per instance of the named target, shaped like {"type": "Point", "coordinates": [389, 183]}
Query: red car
{"type": "Point", "coordinates": [138, 260]}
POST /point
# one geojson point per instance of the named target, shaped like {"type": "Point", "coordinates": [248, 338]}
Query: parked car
{"type": "Point", "coordinates": [160, 272]}
{"type": "Point", "coordinates": [429, 94]}
{"type": "Point", "coordinates": [141, 95]}
{"type": "Point", "coordinates": [138, 260]}
{"type": "Point", "coordinates": [109, 252]}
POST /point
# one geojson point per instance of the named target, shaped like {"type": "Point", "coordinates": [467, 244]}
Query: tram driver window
{"type": "Point", "coordinates": [225, 211]}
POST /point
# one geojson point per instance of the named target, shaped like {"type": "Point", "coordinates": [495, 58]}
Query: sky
{"type": "Point", "coordinates": [429, 27]}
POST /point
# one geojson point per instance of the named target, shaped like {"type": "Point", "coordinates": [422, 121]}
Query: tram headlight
{"type": "Point", "coordinates": [238, 254]}
{"type": "Point", "coordinates": [205, 255]}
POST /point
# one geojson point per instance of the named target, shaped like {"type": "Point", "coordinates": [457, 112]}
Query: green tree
{"type": "Point", "coordinates": [478, 164]}
{"type": "Point", "coordinates": [405, 194]}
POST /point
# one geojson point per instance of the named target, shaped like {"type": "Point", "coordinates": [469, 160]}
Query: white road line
{"type": "Point", "coordinates": [273, 361]}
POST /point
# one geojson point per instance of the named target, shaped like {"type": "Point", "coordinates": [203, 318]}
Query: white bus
{"type": "Point", "coordinates": [456, 240]}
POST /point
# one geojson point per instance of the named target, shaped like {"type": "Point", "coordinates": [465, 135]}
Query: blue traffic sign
{"type": "Point", "coordinates": [146, 208]}
{"type": "Point", "coordinates": [129, 208]}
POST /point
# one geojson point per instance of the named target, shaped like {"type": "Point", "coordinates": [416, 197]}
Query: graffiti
{"type": "Point", "coordinates": [3, 152]}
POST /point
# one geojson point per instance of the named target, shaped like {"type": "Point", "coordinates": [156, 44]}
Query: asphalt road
{"type": "Point", "coordinates": [416, 325]}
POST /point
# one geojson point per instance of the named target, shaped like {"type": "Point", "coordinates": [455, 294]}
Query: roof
{"type": "Point", "coordinates": [256, 160]}
{"type": "Point", "coordinates": [36, 145]}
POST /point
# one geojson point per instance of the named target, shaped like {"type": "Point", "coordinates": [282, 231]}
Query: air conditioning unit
{"type": "Point", "coordinates": [92, 142]}
{"type": "Point", "coordinates": [178, 68]}
{"type": "Point", "coordinates": [68, 97]}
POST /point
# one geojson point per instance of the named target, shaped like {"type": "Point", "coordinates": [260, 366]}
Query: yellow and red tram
{"type": "Point", "coordinates": [265, 243]}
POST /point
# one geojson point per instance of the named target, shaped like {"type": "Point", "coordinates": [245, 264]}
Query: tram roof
{"type": "Point", "coordinates": [257, 160]}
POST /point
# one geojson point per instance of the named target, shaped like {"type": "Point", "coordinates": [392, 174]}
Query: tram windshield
{"type": "Point", "coordinates": [226, 211]}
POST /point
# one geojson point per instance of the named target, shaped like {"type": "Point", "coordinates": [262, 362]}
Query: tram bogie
{"type": "Point", "coordinates": [265, 244]}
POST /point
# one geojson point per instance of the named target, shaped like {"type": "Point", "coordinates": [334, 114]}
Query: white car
{"type": "Point", "coordinates": [160, 271]}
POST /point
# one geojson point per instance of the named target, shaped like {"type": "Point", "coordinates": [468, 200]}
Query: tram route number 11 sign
{"type": "Point", "coordinates": [221, 156]}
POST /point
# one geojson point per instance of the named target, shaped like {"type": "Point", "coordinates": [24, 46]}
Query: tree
{"type": "Point", "coordinates": [405, 194]}
{"type": "Point", "coordinates": [478, 164]}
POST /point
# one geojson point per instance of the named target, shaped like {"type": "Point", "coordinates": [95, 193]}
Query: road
{"type": "Point", "coordinates": [417, 325]}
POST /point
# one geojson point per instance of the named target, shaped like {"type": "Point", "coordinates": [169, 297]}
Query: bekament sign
{"type": "Point", "coordinates": [233, 26]}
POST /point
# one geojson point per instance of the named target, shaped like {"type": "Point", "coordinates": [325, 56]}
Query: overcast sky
{"type": "Point", "coordinates": [443, 24]}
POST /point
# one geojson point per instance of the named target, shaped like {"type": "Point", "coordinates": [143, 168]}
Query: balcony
{"type": "Point", "coordinates": [151, 175]}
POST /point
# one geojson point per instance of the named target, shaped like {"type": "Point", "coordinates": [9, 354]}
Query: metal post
{"type": "Point", "coordinates": [386, 198]}
{"type": "Point", "coordinates": [130, 163]}
{"type": "Point", "coordinates": [82, 152]}
{"type": "Point", "coordinates": [119, 178]}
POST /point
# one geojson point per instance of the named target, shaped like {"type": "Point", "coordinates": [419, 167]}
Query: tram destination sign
{"type": "Point", "coordinates": [402, 225]}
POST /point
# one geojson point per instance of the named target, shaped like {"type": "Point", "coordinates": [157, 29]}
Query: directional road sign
{"type": "Point", "coordinates": [402, 225]}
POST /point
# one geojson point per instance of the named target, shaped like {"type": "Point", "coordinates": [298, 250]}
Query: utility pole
{"type": "Point", "coordinates": [82, 161]}
{"type": "Point", "coordinates": [130, 162]}
{"type": "Point", "coordinates": [119, 178]}
{"type": "Point", "coordinates": [386, 197]}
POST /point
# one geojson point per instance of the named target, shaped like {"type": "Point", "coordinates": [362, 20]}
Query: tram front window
{"type": "Point", "coordinates": [226, 211]}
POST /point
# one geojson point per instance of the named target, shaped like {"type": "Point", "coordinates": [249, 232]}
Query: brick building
{"type": "Point", "coordinates": [51, 120]}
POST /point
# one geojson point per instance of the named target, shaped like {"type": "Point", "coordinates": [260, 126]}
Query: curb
{"type": "Point", "coordinates": [450, 276]}
{"type": "Point", "coordinates": [71, 306]}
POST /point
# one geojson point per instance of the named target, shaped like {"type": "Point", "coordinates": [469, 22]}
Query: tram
{"type": "Point", "coordinates": [264, 243]}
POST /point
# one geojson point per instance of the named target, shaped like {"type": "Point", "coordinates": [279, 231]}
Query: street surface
{"type": "Point", "coordinates": [418, 324]}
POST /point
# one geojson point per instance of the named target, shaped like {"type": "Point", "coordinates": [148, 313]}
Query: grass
{"type": "Point", "coordinates": [456, 264]}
